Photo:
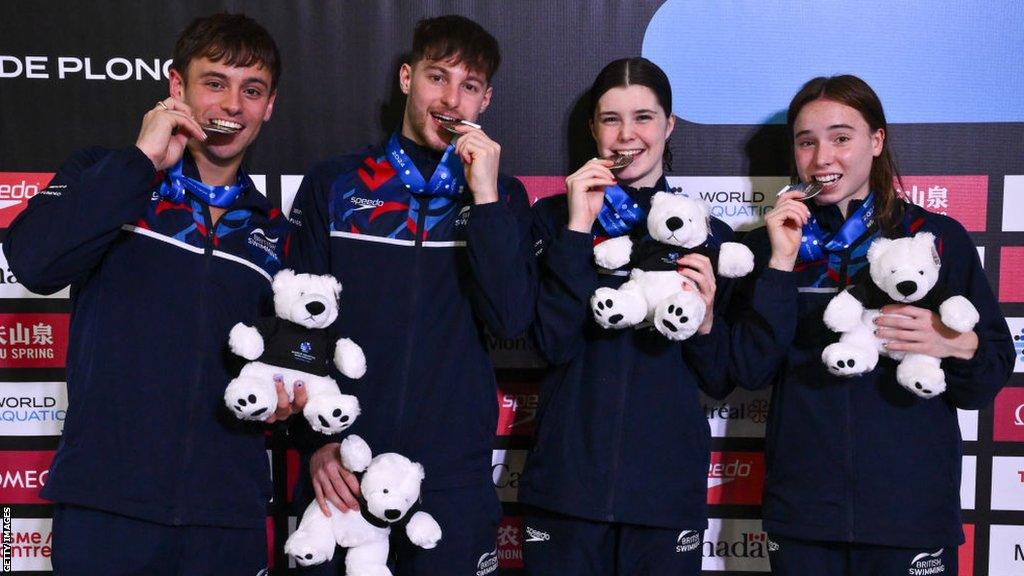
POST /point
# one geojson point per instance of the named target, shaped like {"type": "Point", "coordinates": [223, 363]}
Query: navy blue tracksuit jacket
{"type": "Point", "coordinates": [420, 277]}
{"type": "Point", "coordinates": [155, 290]}
{"type": "Point", "coordinates": [861, 459]}
{"type": "Point", "coordinates": [621, 436]}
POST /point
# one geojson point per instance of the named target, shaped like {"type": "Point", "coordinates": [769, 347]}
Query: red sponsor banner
{"type": "Point", "coordinates": [517, 408]}
{"type": "Point", "coordinates": [15, 190]}
{"type": "Point", "coordinates": [291, 458]}
{"type": "Point", "coordinates": [270, 542]}
{"type": "Point", "coordinates": [964, 198]}
{"type": "Point", "coordinates": [33, 340]}
{"type": "Point", "coordinates": [1008, 421]}
{"type": "Point", "coordinates": [735, 477]}
{"type": "Point", "coordinates": [1011, 281]}
{"type": "Point", "coordinates": [22, 475]}
{"type": "Point", "coordinates": [27, 544]}
{"type": "Point", "coordinates": [510, 543]}
{"type": "Point", "coordinates": [538, 187]}
{"type": "Point", "coordinates": [966, 552]}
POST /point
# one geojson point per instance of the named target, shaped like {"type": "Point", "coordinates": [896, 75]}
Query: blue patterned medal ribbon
{"type": "Point", "coordinates": [813, 245]}
{"type": "Point", "coordinates": [175, 185]}
{"type": "Point", "coordinates": [620, 212]}
{"type": "Point", "coordinates": [447, 179]}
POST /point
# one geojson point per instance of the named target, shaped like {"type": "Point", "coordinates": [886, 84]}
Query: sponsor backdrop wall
{"type": "Point", "coordinates": [950, 76]}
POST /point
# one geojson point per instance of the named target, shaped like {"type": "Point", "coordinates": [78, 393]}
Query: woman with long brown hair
{"type": "Point", "coordinates": [863, 476]}
{"type": "Point", "coordinates": [617, 480]}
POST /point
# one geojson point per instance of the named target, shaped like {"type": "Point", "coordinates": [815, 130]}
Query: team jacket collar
{"type": "Point", "coordinates": [829, 217]}
{"type": "Point", "coordinates": [643, 195]}
{"type": "Point", "coordinates": [249, 199]}
{"type": "Point", "coordinates": [425, 159]}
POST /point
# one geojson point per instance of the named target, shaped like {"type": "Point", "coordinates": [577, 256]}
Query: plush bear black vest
{"type": "Point", "coordinates": [290, 345]}
{"type": "Point", "coordinates": [651, 256]}
{"type": "Point", "coordinates": [872, 297]}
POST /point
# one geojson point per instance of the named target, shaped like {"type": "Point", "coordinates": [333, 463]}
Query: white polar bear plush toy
{"type": "Point", "coordinates": [390, 488]}
{"type": "Point", "coordinates": [902, 271]}
{"type": "Point", "coordinates": [654, 292]}
{"type": "Point", "coordinates": [296, 345]}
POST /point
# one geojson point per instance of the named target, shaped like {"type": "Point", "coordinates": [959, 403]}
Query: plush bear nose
{"type": "Point", "coordinates": [392, 514]}
{"type": "Point", "coordinates": [674, 223]}
{"type": "Point", "coordinates": [315, 308]}
{"type": "Point", "coordinates": [906, 287]}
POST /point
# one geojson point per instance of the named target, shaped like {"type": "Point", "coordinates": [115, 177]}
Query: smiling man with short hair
{"type": "Point", "coordinates": [166, 245]}
{"type": "Point", "coordinates": [430, 242]}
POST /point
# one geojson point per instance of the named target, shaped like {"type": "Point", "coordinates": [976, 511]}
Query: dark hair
{"type": "Point", "coordinates": [855, 93]}
{"type": "Point", "coordinates": [232, 39]}
{"type": "Point", "coordinates": [459, 38]}
{"type": "Point", "coordinates": [636, 71]}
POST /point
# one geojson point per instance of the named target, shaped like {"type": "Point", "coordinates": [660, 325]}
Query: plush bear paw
{"type": "Point", "coordinates": [615, 309]}
{"type": "Point", "coordinates": [924, 380]}
{"type": "Point", "coordinates": [843, 313]}
{"type": "Point", "coordinates": [251, 398]}
{"type": "Point", "coordinates": [735, 260]}
{"type": "Point", "coordinates": [959, 314]}
{"type": "Point", "coordinates": [613, 254]}
{"type": "Point", "coordinates": [331, 413]}
{"type": "Point", "coordinates": [423, 530]}
{"type": "Point", "coordinates": [842, 359]}
{"type": "Point", "coordinates": [678, 317]}
{"type": "Point", "coordinates": [245, 341]}
{"type": "Point", "coordinates": [349, 359]}
{"type": "Point", "coordinates": [355, 453]}
{"type": "Point", "coordinates": [302, 547]}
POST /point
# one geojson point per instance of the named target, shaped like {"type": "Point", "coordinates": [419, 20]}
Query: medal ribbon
{"type": "Point", "coordinates": [620, 212]}
{"type": "Point", "coordinates": [813, 245]}
{"type": "Point", "coordinates": [175, 185]}
{"type": "Point", "coordinates": [447, 179]}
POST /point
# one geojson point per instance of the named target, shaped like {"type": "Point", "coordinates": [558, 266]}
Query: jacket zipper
{"type": "Point", "coordinates": [194, 391]}
{"type": "Point", "coordinates": [617, 440]}
{"type": "Point", "coordinates": [421, 220]}
{"type": "Point", "coordinates": [849, 426]}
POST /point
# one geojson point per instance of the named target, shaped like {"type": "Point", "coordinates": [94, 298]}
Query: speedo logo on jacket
{"type": "Point", "coordinates": [365, 203]}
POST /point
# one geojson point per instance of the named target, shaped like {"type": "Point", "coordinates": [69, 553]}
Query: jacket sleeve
{"type": "Point", "coordinates": [498, 247]}
{"type": "Point", "coordinates": [567, 279]}
{"type": "Point", "coordinates": [708, 354]}
{"type": "Point", "coordinates": [973, 384]}
{"type": "Point", "coordinates": [67, 228]}
{"type": "Point", "coordinates": [762, 319]}
{"type": "Point", "coordinates": [309, 248]}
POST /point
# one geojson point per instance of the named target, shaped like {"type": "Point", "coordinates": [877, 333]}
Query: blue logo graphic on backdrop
{"type": "Point", "coordinates": [930, 62]}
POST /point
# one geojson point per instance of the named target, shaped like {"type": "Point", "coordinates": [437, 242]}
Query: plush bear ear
{"type": "Point", "coordinates": [335, 285]}
{"type": "Point", "coordinates": [420, 473]}
{"type": "Point", "coordinates": [926, 240]}
{"type": "Point", "coordinates": [282, 278]}
{"type": "Point", "coordinates": [659, 197]}
{"type": "Point", "coordinates": [705, 211]}
{"type": "Point", "coordinates": [877, 248]}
